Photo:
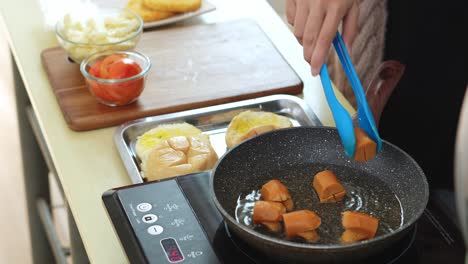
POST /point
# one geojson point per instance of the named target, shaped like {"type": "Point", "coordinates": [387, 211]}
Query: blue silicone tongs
{"type": "Point", "coordinates": [343, 121]}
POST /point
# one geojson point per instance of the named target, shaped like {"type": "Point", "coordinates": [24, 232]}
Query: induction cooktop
{"type": "Point", "coordinates": [175, 221]}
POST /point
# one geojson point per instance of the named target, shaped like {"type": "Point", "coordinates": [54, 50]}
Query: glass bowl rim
{"type": "Point", "coordinates": [93, 56]}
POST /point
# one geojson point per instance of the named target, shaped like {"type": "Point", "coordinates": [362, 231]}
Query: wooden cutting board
{"type": "Point", "coordinates": [192, 67]}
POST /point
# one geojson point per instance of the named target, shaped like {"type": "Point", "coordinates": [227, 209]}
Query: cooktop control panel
{"type": "Point", "coordinates": [156, 224]}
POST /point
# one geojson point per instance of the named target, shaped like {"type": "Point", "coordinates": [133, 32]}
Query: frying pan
{"type": "Point", "coordinates": [391, 186]}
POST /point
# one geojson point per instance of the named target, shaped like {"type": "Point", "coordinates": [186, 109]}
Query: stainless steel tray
{"type": "Point", "coordinates": [211, 120]}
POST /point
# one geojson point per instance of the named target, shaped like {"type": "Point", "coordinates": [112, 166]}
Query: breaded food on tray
{"type": "Point", "coordinates": [251, 123]}
{"type": "Point", "coordinates": [146, 13]}
{"type": "Point", "coordinates": [177, 6]}
{"type": "Point", "coordinates": [150, 138]}
{"type": "Point", "coordinates": [178, 156]}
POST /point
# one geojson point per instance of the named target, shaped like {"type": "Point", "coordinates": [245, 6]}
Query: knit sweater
{"type": "Point", "coordinates": [367, 49]}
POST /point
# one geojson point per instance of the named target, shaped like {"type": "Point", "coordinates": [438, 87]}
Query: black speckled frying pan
{"type": "Point", "coordinates": [391, 187]}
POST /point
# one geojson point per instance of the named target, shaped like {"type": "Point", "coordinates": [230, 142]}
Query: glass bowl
{"type": "Point", "coordinates": [84, 33]}
{"type": "Point", "coordinates": [116, 92]}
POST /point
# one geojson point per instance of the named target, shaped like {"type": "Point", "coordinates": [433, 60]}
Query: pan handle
{"type": "Point", "coordinates": [382, 84]}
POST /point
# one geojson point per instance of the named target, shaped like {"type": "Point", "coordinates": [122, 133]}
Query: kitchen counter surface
{"type": "Point", "coordinates": [87, 163]}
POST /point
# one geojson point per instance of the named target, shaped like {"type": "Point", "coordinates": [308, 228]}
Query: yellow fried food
{"type": "Point", "coordinates": [177, 6]}
{"type": "Point", "coordinates": [178, 156]}
{"type": "Point", "coordinates": [146, 13]}
{"type": "Point", "coordinates": [148, 140]}
{"type": "Point", "coordinates": [249, 123]}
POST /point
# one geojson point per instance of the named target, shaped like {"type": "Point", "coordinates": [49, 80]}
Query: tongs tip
{"type": "Point", "coordinates": [342, 119]}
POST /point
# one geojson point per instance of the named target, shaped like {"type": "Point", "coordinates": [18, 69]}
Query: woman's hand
{"type": "Point", "coordinates": [316, 23]}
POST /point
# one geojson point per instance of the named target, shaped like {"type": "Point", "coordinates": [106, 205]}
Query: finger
{"type": "Point", "coordinates": [323, 43]}
{"type": "Point", "coordinates": [312, 30]}
{"type": "Point", "coordinates": [290, 11]}
{"type": "Point", "coordinates": [351, 26]}
{"type": "Point", "coordinates": [302, 12]}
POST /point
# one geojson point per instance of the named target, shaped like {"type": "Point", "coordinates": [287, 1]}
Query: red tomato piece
{"type": "Point", "coordinates": [107, 63]}
{"type": "Point", "coordinates": [100, 91]}
{"type": "Point", "coordinates": [95, 70]}
{"type": "Point", "coordinates": [130, 89]}
{"type": "Point", "coordinates": [123, 69]}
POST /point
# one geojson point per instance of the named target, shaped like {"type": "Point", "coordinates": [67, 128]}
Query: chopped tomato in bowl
{"type": "Point", "coordinates": [116, 78]}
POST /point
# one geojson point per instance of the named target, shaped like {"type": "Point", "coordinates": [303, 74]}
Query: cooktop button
{"type": "Point", "coordinates": [149, 218]}
{"type": "Point", "coordinates": [155, 230]}
{"type": "Point", "coordinates": [144, 207]}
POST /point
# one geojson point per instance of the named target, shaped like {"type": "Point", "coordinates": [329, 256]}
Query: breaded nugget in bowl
{"type": "Point", "coordinates": [82, 33]}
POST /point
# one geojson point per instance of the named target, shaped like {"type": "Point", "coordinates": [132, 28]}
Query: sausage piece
{"type": "Point", "coordinates": [327, 186]}
{"type": "Point", "coordinates": [275, 191]}
{"type": "Point", "coordinates": [300, 222]}
{"type": "Point", "coordinates": [353, 235]}
{"type": "Point", "coordinates": [310, 236]}
{"type": "Point", "coordinates": [266, 211]}
{"type": "Point", "coordinates": [289, 204]}
{"type": "Point", "coordinates": [366, 148]}
{"type": "Point", "coordinates": [272, 226]}
{"type": "Point", "coordinates": [361, 224]}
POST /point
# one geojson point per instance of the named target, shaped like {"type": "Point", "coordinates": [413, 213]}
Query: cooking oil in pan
{"type": "Point", "coordinates": [364, 193]}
